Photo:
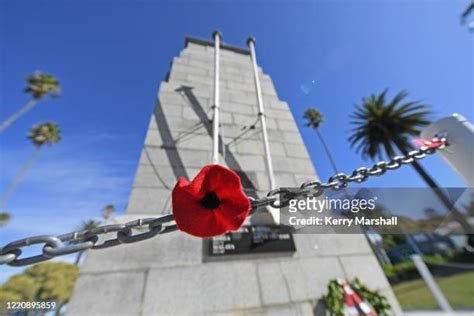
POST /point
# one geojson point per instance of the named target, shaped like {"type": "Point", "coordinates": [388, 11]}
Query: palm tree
{"type": "Point", "coordinates": [4, 218]}
{"type": "Point", "coordinates": [86, 225]}
{"type": "Point", "coordinates": [382, 127]}
{"type": "Point", "coordinates": [39, 85]}
{"type": "Point", "coordinates": [314, 120]}
{"type": "Point", "coordinates": [107, 211]}
{"type": "Point", "coordinates": [465, 14]}
{"type": "Point", "coordinates": [40, 135]}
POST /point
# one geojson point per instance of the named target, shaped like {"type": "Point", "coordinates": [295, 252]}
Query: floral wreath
{"type": "Point", "coordinates": [351, 297]}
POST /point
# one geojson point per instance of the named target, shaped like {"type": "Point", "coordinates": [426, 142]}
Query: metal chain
{"type": "Point", "coordinates": [78, 241]}
{"type": "Point", "coordinates": [281, 197]}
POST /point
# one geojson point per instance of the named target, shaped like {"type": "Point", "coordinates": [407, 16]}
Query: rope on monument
{"type": "Point", "coordinates": [245, 129]}
{"type": "Point", "coordinates": [211, 204]}
{"type": "Point", "coordinates": [190, 131]}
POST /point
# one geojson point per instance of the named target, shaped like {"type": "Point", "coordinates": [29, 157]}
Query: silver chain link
{"type": "Point", "coordinates": [78, 241]}
{"type": "Point", "coordinates": [281, 197]}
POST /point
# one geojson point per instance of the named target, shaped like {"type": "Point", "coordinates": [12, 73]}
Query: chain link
{"type": "Point", "coordinates": [281, 197]}
{"type": "Point", "coordinates": [78, 241]}
{"type": "Point", "coordinates": [146, 228]}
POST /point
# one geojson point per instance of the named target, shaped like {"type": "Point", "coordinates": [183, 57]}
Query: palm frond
{"type": "Point", "coordinates": [40, 84]}
{"type": "Point", "coordinates": [380, 126]}
{"type": "Point", "coordinates": [45, 133]}
{"type": "Point", "coordinates": [313, 117]}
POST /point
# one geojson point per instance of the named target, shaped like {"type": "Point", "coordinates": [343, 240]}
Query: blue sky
{"type": "Point", "coordinates": [110, 57]}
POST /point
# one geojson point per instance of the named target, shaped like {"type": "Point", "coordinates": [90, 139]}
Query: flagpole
{"type": "Point", "coordinates": [268, 158]}
{"type": "Point", "coordinates": [215, 121]}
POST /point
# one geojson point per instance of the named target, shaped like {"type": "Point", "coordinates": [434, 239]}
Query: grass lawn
{"type": "Point", "coordinates": [458, 289]}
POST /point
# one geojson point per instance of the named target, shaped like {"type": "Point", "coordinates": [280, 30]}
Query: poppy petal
{"type": "Point", "coordinates": [190, 216]}
{"type": "Point", "coordinates": [197, 220]}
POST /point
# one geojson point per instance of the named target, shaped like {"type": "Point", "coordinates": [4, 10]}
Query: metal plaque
{"type": "Point", "coordinates": [253, 240]}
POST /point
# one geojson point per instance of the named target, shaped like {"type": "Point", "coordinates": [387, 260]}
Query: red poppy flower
{"type": "Point", "coordinates": [210, 205]}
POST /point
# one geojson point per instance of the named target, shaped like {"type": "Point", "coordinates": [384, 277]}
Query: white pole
{"type": "Point", "coordinates": [215, 121]}
{"type": "Point", "coordinates": [431, 283]}
{"type": "Point", "coordinates": [459, 134]}
{"type": "Point", "coordinates": [261, 114]}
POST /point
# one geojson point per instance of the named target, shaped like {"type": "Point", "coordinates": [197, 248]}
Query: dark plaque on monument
{"type": "Point", "coordinates": [253, 240]}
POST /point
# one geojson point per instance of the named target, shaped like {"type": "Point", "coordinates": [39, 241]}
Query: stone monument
{"type": "Point", "coordinates": [173, 274]}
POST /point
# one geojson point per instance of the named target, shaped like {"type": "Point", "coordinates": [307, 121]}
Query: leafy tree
{"type": "Point", "coordinates": [390, 241]}
{"type": "Point", "coordinates": [56, 280]}
{"type": "Point", "coordinates": [43, 134]}
{"type": "Point", "coordinates": [4, 218]}
{"type": "Point", "coordinates": [108, 210]}
{"type": "Point", "coordinates": [431, 213]}
{"type": "Point", "coordinates": [51, 281]}
{"type": "Point", "coordinates": [469, 208]}
{"type": "Point", "coordinates": [314, 119]}
{"type": "Point", "coordinates": [20, 287]}
{"type": "Point", "coordinates": [383, 127]}
{"type": "Point", "coordinates": [465, 14]}
{"type": "Point", "coordinates": [46, 133]}
{"type": "Point", "coordinates": [38, 85]}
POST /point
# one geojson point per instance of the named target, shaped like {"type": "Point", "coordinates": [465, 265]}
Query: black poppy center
{"type": "Point", "coordinates": [210, 200]}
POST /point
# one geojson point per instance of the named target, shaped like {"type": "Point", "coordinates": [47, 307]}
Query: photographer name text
{"type": "Point", "coordinates": [348, 222]}
{"type": "Point", "coordinates": [362, 211]}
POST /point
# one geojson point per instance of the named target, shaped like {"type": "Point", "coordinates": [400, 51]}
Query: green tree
{"type": "Point", "coordinates": [20, 287]}
{"type": "Point", "coordinates": [383, 127]}
{"type": "Point", "coordinates": [40, 135]}
{"type": "Point", "coordinates": [107, 211]}
{"type": "Point", "coordinates": [392, 240]}
{"type": "Point", "coordinates": [38, 85]}
{"type": "Point", "coordinates": [314, 119]}
{"type": "Point", "coordinates": [51, 281]}
{"type": "Point", "coordinates": [4, 218]}
{"type": "Point", "coordinates": [469, 208]}
{"type": "Point", "coordinates": [465, 14]}
{"type": "Point", "coordinates": [86, 225]}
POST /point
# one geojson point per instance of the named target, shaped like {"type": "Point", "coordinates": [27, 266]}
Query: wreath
{"type": "Point", "coordinates": [359, 297]}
